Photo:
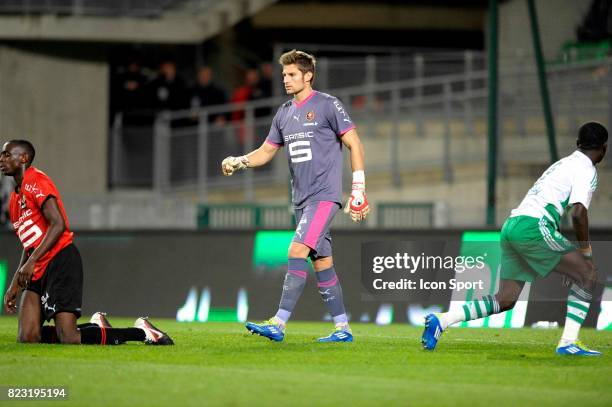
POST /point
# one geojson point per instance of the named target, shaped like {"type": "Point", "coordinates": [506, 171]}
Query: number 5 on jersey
{"type": "Point", "coordinates": [300, 151]}
{"type": "Point", "coordinates": [29, 235]}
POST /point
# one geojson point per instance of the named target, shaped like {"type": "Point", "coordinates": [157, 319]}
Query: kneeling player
{"type": "Point", "coordinates": [50, 270]}
{"type": "Point", "coordinates": [532, 245]}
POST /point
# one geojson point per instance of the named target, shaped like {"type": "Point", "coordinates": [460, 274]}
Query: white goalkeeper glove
{"type": "Point", "coordinates": [233, 164]}
{"type": "Point", "coordinates": [358, 206]}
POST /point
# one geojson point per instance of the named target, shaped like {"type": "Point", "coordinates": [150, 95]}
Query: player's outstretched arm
{"type": "Point", "coordinates": [57, 226]}
{"type": "Point", "coordinates": [357, 205]}
{"type": "Point", "coordinates": [255, 158]}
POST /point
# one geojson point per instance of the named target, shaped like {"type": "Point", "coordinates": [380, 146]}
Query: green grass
{"type": "Point", "coordinates": [221, 364]}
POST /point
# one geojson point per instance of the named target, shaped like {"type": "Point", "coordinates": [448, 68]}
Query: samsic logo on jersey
{"type": "Point", "coordinates": [299, 136]}
{"type": "Point", "coordinates": [22, 217]}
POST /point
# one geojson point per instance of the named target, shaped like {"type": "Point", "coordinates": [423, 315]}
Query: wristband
{"type": "Point", "coordinates": [586, 252]}
{"type": "Point", "coordinates": [359, 177]}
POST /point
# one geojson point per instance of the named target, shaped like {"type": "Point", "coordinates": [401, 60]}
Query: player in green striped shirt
{"type": "Point", "coordinates": [532, 245]}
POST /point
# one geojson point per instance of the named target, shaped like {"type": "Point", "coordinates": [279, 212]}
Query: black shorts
{"type": "Point", "coordinates": [61, 287]}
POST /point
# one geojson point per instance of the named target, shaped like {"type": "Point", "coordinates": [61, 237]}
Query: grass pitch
{"type": "Point", "coordinates": [222, 364]}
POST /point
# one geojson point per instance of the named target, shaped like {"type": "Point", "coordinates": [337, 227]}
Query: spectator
{"type": "Point", "coordinates": [242, 95]}
{"type": "Point", "coordinates": [248, 91]}
{"type": "Point", "coordinates": [129, 91]}
{"type": "Point", "coordinates": [264, 91]}
{"type": "Point", "coordinates": [267, 77]}
{"type": "Point", "coordinates": [263, 114]}
{"type": "Point", "coordinates": [206, 93]}
{"type": "Point", "coordinates": [168, 91]}
{"type": "Point", "coordinates": [131, 87]}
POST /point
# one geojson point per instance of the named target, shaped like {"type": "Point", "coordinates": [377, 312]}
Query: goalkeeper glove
{"type": "Point", "coordinates": [357, 205]}
{"type": "Point", "coordinates": [233, 164]}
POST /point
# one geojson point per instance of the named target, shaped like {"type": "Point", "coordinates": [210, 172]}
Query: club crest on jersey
{"type": "Point", "coordinates": [310, 117]}
{"type": "Point", "coordinates": [22, 202]}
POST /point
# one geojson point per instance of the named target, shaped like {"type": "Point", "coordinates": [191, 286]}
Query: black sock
{"type": "Point", "coordinates": [48, 334]}
{"type": "Point", "coordinates": [110, 336]}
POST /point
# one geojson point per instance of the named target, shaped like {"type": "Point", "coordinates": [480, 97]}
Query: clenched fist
{"type": "Point", "coordinates": [233, 164]}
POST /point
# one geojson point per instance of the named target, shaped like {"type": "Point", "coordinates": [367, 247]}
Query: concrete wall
{"type": "Point", "coordinates": [558, 20]}
{"type": "Point", "coordinates": [57, 97]}
{"type": "Point", "coordinates": [190, 24]}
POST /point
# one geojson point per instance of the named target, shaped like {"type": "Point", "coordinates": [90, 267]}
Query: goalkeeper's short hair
{"type": "Point", "coordinates": [304, 61]}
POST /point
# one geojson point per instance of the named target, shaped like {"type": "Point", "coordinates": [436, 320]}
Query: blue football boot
{"type": "Point", "coordinates": [341, 334]}
{"type": "Point", "coordinates": [269, 329]}
{"type": "Point", "coordinates": [576, 349]}
{"type": "Point", "coordinates": [432, 332]}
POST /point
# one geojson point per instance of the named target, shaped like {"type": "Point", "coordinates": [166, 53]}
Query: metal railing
{"type": "Point", "coordinates": [399, 215]}
{"type": "Point", "coordinates": [136, 210]}
{"type": "Point", "coordinates": [377, 65]}
{"type": "Point", "coordinates": [432, 124]}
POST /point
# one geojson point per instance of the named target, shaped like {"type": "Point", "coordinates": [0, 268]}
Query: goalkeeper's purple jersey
{"type": "Point", "coordinates": [311, 131]}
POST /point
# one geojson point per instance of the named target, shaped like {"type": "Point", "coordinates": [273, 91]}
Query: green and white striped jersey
{"type": "Point", "coordinates": [571, 180]}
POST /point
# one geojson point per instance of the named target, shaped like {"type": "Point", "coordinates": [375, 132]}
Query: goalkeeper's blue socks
{"type": "Point", "coordinates": [331, 293]}
{"type": "Point", "coordinates": [295, 280]}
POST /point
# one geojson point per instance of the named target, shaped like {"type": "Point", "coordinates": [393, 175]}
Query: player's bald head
{"type": "Point", "coordinates": [26, 147]}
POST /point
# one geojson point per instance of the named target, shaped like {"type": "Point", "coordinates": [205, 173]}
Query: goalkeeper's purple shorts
{"type": "Point", "coordinates": [313, 224]}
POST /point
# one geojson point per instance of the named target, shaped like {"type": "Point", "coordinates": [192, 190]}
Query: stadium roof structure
{"type": "Point", "coordinates": [147, 21]}
{"type": "Point", "coordinates": [105, 8]}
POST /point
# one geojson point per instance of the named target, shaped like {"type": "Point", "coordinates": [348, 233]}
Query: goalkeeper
{"type": "Point", "coordinates": [312, 127]}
